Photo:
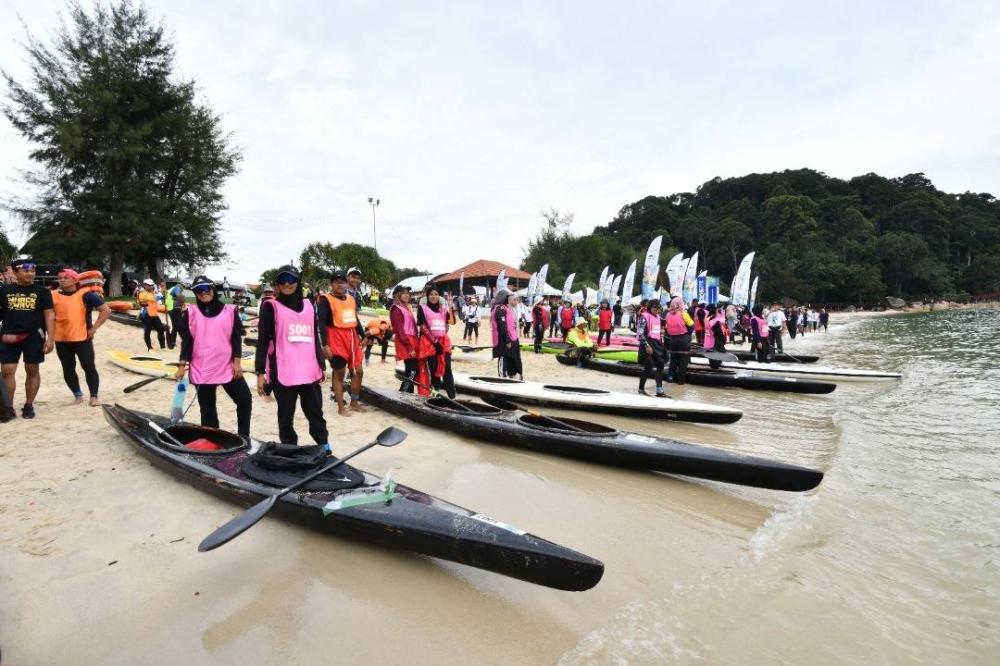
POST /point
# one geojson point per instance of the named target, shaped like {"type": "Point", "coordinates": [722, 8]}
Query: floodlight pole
{"type": "Point", "coordinates": [374, 202]}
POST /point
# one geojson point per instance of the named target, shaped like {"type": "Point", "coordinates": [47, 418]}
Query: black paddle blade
{"type": "Point", "coordinates": [501, 403]}
{"type": "Point", "coordinates": [237, 525]}
{"type": "Point", "coordinates": [391, 436]}
{"type": "Point", "coordinates": [139, 385]}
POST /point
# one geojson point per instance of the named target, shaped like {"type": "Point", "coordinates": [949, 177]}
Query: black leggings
{"type": "Point", "coordinates": [680, 346]}
{"type": "Point", "coordinates": [149, 323]}
{"type": "Point", "coordinates": [448, 381]}
{"type": "Point", "coordinates": [312, 407]}
{"type": "Point", "coordinates": [238, 392]}
{"type": "Point", "coordinates": [606, 334]}
{"type": "Point", "coordinates": [411, 367]}
{"type": "Point", "coordinates": [386, 337]}
{"type": "Point", "coordinates": [471, 329]}
{"type": "Point", "coordinates": [175, 319]}
{"type": "Point", "coordinates": [68, 352]}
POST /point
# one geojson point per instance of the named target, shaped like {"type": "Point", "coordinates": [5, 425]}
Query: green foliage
{"type": "Point", "coordinates": [318, 260]}
{"type": "Point", "coordinates": [129, 166]}
{"type": "Point", "coordinates": [7, 251]}
{"type": "Point", "coordinates": [816, 237]}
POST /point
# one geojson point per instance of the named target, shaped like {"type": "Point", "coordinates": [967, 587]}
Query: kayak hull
{"type": "Point", "coordinates": [712, 378]}
{"type": "Point", "coordinates": [599, 444]}
{"type": "Point", "coordinates": [805, 371]}
{"type": "Point", "coordinates": [154, 366]}
{"type": "Point", "coordinates": [594, 400]}
{"type": "Point", "coordinates": [411, 520]}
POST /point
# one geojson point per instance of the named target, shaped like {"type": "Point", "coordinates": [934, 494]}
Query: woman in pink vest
{"type": "Point", "coordinates": [605, 318]}
{"type": "Point", "coordinates": [503, 326]}
{"type": "Point", "coordinates": [404, 327]}
{"type": "Point", "coordinates": [211, 350]}
{"type": "Point", "coordinates": [650, 332]}
{"type": "Point", "coordinates": [433, 320]}
{"type": "Point", "coordinates": [679, 327]}
{"type": "Point", "coordinates": [715, 332]}
{"type": "Point", "coordinates": [290, 357]}
{"type": "Point", "coordinates": [760, 334]}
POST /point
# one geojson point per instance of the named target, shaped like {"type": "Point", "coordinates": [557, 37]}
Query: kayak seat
{"type": "Point", "coordinates": [590, 428]}
{"type": "Point", "coordinates": [186, 434]}
{"type": "Point", "coordinates": [478, 408]}
{"type": "Point", "coordinates": [580, 390]}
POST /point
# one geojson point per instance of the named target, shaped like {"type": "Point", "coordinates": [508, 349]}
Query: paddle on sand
{"type": "Point", "coordinates": [391, 436]}
{"type": "Point", "coordinates": [501, 403]}
{"type": "Point", "coordinates": [453, 403]}
{"type": "Point", "coordinates": [139, 385]}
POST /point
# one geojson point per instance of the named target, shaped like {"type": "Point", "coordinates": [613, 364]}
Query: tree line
{"type": "Point", "coordinates": [816, 238]}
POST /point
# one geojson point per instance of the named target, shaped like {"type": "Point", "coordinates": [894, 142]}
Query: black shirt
{"type": "Point", "coordinates": [22, 309]}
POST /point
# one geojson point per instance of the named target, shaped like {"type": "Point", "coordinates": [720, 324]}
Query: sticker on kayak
{"type": "Point", "coordinates": [791, 379]}
{"type": "Point", "coordinates": [640, 438]}
{"type": "Point", "coordinates": [496, 523]}
{"type": "Point", "coordinates": [371, 495]}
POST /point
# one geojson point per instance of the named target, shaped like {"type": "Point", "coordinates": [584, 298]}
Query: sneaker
{"type": "Point", "coordinates": [28, 412]}
{"type": "Point", "coordinates": [642, 392]}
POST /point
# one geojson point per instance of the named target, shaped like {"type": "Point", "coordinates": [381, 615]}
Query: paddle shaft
{"type": "Point", "coordinates": [138, 385]}
{"type": "Point", "coordinates": [503, 403]}
{"type": "Point", "coordinates": [454, 403]}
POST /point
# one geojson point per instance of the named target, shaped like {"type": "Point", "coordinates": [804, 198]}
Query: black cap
{"type": "Point", "coordinates": [200, 280]}
{"type": "Point", "coordinates": [338, 274]}
{"type": "Point", "coordinates": [291, 270]}
{"type": "Point", "coordinates": [398, 288]}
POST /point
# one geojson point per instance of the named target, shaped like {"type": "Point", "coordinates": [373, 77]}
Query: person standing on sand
{"type": "Point", "coordinates": [290, 358]}
{"type": "Point", "coordinates": [503, 326]}
{"type": "Point", "coordinates": [149, 314]}
{"type": "Point", "coordinates": [212, 347]}
{"type": "Point", "coordinates": [775, 324]}
{"type": "Point", "coordinates": [74, 334]}
{"type": "Point", "coordinates": [174, 302]}
{"type": "Point", "coordinates": [650, 332]}
{"type": "Point", "coordinates": [337, 314]}
{"type": "Point", "coordinates": [470, 315]}
{"type": "Point", "coordinates": [824, 319]}
{"type": "Point", "coordinates": [25, 310]}
{"type": "Point", "coordinates": [540, 319]}
{"type": "Point", "coordinates": [404, 327]}
{"type": "Point", "coordinates": [759, 335]}
{"type": "Point", "coordinates": [433, 320]}
{"type": "Point", "coordinates": [605, 323]}
{"type": "Point", "coordinates": [679, 328]}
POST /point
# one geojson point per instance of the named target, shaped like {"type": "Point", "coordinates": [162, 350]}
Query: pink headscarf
{"type": "Point", "coordinates": [676, 304]}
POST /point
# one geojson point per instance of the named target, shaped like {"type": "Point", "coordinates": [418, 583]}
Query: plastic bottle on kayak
{"type": "Point", "coordinates": [177, 408]}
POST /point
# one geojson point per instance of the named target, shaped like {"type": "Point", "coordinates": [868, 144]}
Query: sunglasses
{"type": "Point", "coordinates": [285, 278]}
{"type": "Point", "coordinates": [202, 289]}
{"type": "Point", "coordinates": [26, 267]}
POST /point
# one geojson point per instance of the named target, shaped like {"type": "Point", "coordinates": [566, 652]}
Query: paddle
{"type": "Point", "coordinates": [453, 403]}
{"type": "Point", "coordinates": [170, 438]}
{"type": "Point", "coordinates": [502, 403]}
{"type": "Point", "coordinates": [391, 436]}
{"type": "Point", "coordinates": [138, 385]}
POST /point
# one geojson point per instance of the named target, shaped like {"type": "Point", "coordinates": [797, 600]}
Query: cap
{"type": "Point", "coordinates": [290, 270]}
{"type": "Point", "coordinates": [69, 272]}
{"type": "Point", "coordinates": [338, 274]}
{"type": "Point", "coordinates": [149, 282]}
{"type": "Point", "coordinates": [268, 288]}
{"type": "Point", "coordinates": [17, 263]}
{"type": "Point", "coordinates": [354, 269]}
{"type": "Point", "coordinates": [200, 280]}
{"type": "Point", "coordinates": [398, 288]}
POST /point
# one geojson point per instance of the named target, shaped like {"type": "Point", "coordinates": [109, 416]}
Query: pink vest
{"type": "Point", "coordinates": [653, 330]}
{"type": "Point", "coordinates": [511, 325]}
{"type": "Point", "coordinates": [212, 353]}
{"type": "Point", "coordinates": [409, 321]}
{"type": "Point", "coordinates": [295, 345]}
{"type": "Point", "coordinates": [761, 327]}
{"type": "Point", "coordinates": [437, 322]}
{"type": "Point", "coordinates": [709, 342]}
{"type": "Point", "coordinates": [676, 324]}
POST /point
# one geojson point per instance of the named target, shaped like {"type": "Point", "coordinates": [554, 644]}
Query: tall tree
{"type": "Point", "coordinates": [129, 166]}
{"type": "Point", "coordinates": [319, 259]}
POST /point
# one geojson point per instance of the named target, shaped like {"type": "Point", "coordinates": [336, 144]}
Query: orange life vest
{"type": "Point", "coordinates": [71, 316]}
{"type": "Point", "coordinates": [344, 312]}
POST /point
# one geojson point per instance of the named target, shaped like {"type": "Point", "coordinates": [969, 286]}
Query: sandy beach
{"type": "Point", "coordinates": [100, 566]}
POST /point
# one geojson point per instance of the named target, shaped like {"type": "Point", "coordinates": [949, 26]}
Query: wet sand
{"type": "Point", "coordinates": [100, 566]}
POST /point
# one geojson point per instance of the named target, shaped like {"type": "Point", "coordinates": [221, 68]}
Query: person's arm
{"type": "Point", "coordinates": [95, 302]}
{"type": "Point", "coordinates": [236, 339]}
{"type": "Point", "coordinates": [187, 341]}
{"type": "Point", "coordinates": [422, 322]}
{"type": "Point", "coordinates": [501, 319]}
{"type": "Point", "coordinates": [265, 335]}
{"type": "Point", "coordinates": [397, 321]}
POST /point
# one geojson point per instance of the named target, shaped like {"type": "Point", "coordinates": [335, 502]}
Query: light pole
{"type": "Point", "coordinates": [374, 202]}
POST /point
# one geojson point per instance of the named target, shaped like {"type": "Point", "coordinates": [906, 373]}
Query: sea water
{"type": "Point", "coordinates": [895, 558]}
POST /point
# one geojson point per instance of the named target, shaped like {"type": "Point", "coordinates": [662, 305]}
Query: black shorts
{"type": "Point", "coordinates": [337, 362]}
{"type": "Point", "coordinates": [33, 349]}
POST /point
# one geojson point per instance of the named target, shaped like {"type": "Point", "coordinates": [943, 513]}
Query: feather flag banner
{"type": "Point", "coordinates": [649, 268]}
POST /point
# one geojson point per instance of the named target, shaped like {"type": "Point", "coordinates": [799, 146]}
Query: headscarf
{"type": "Point", "coordinates": [676, 305]}
{"type": "Point", "coordinates": [500, 298]}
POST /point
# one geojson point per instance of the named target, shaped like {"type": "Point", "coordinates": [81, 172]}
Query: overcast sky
{"type": "Point", "coordinates": [468, 118]}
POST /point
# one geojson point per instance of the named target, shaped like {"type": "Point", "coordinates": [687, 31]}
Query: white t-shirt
{"type": "Point", "coordinates": [776, 318]}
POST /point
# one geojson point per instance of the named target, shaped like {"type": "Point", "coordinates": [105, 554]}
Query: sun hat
{"type": "Point", "coordinates": [354, 269]}
{"type": "Point", "coordinates": [149, 283]}
{"type": "Point", "coordinates": [580, 321]}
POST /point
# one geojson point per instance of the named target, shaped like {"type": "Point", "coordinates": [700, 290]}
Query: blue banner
{"type": "Point", "coordinates": [701, 289]}
{"type": "Point", "coordinates": [712, 289]}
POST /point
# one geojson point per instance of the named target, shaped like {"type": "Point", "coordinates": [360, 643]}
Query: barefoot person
{"type": "Point", "coordinates": [25, 311]}
{"type": "Point", "coordinates": [338, 329]}
{"type": "Point", "coordinates": [74, 333]}
{"type": "Point", "coordinates": [290, 358]}
{"type": "Point", "coordinates": [212, 348]}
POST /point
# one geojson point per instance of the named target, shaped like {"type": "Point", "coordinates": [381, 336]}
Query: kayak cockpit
{"type": "Point", "coordinates": [579, 390]}
{"type": "Point", "coordinates": [476, 408]}
{"type": "Point", "coordinates": [198, 440]}
{"type": "Point", "coordinates": [494, 380]}
{"type": "Point", "coordinates": [548, 425]}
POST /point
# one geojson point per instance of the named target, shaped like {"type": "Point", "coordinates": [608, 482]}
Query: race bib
{"type": "Point", "coordinates": [438, 325]}
{"type": "Point", "coordinates": [299, 332]}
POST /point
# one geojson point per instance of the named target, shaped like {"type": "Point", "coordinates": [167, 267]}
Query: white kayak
{"type": "Point", "coordinates": [590, 399]}
{"type": "Point", "coordinates": [804, 371]}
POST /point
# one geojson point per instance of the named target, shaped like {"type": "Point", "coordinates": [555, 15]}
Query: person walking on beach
{"type": "Point", "coordinates": [503, 326]}
{"type": "Point", "coordinates": [149, 314]}
{"type": "Point", "coordinates": [290, 358]}
{"type": "Point", "coordinates": [225, 287]}
{"type": "Point", "coordinates": [212, 350]}
{"type": "Point", "coordinates": [824, 319]}
{"type": "Point", "coordinates": [340, 331]}
{"type": "Point", "coordinates": [25, 311]}
{"type": "Point", "coordinates": [74, 333]}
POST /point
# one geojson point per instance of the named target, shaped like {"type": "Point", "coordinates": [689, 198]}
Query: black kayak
{"type": "Point", "coordinates": [125, 318]}
{"type": "Point", "coordinates": [394, 516]}
{"type": "Point", "coordinates": [780, 357]}
{"type": "Point", "coordinates": [597, 444]}
{"type": "Point", "coordinates": [720, 378]}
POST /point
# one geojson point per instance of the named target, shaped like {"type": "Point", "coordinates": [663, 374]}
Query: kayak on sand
{"type": "Point", "coordinates": [593, 442]}
{"type": "Point", "coordinates": [370, 509]}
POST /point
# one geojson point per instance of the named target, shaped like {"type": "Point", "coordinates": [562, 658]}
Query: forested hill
{"type": "Point", "coordinates": [818, 238]}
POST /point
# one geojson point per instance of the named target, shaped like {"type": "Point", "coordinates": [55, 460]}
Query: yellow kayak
{"type": "Point", "coordinates": [154, 366]}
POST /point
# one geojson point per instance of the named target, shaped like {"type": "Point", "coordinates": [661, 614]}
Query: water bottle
{"type": "Point", "coordinates": [177, 408]}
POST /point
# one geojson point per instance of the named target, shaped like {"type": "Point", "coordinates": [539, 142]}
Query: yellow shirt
{"type": "Point", "coordinates": [578, 339]}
